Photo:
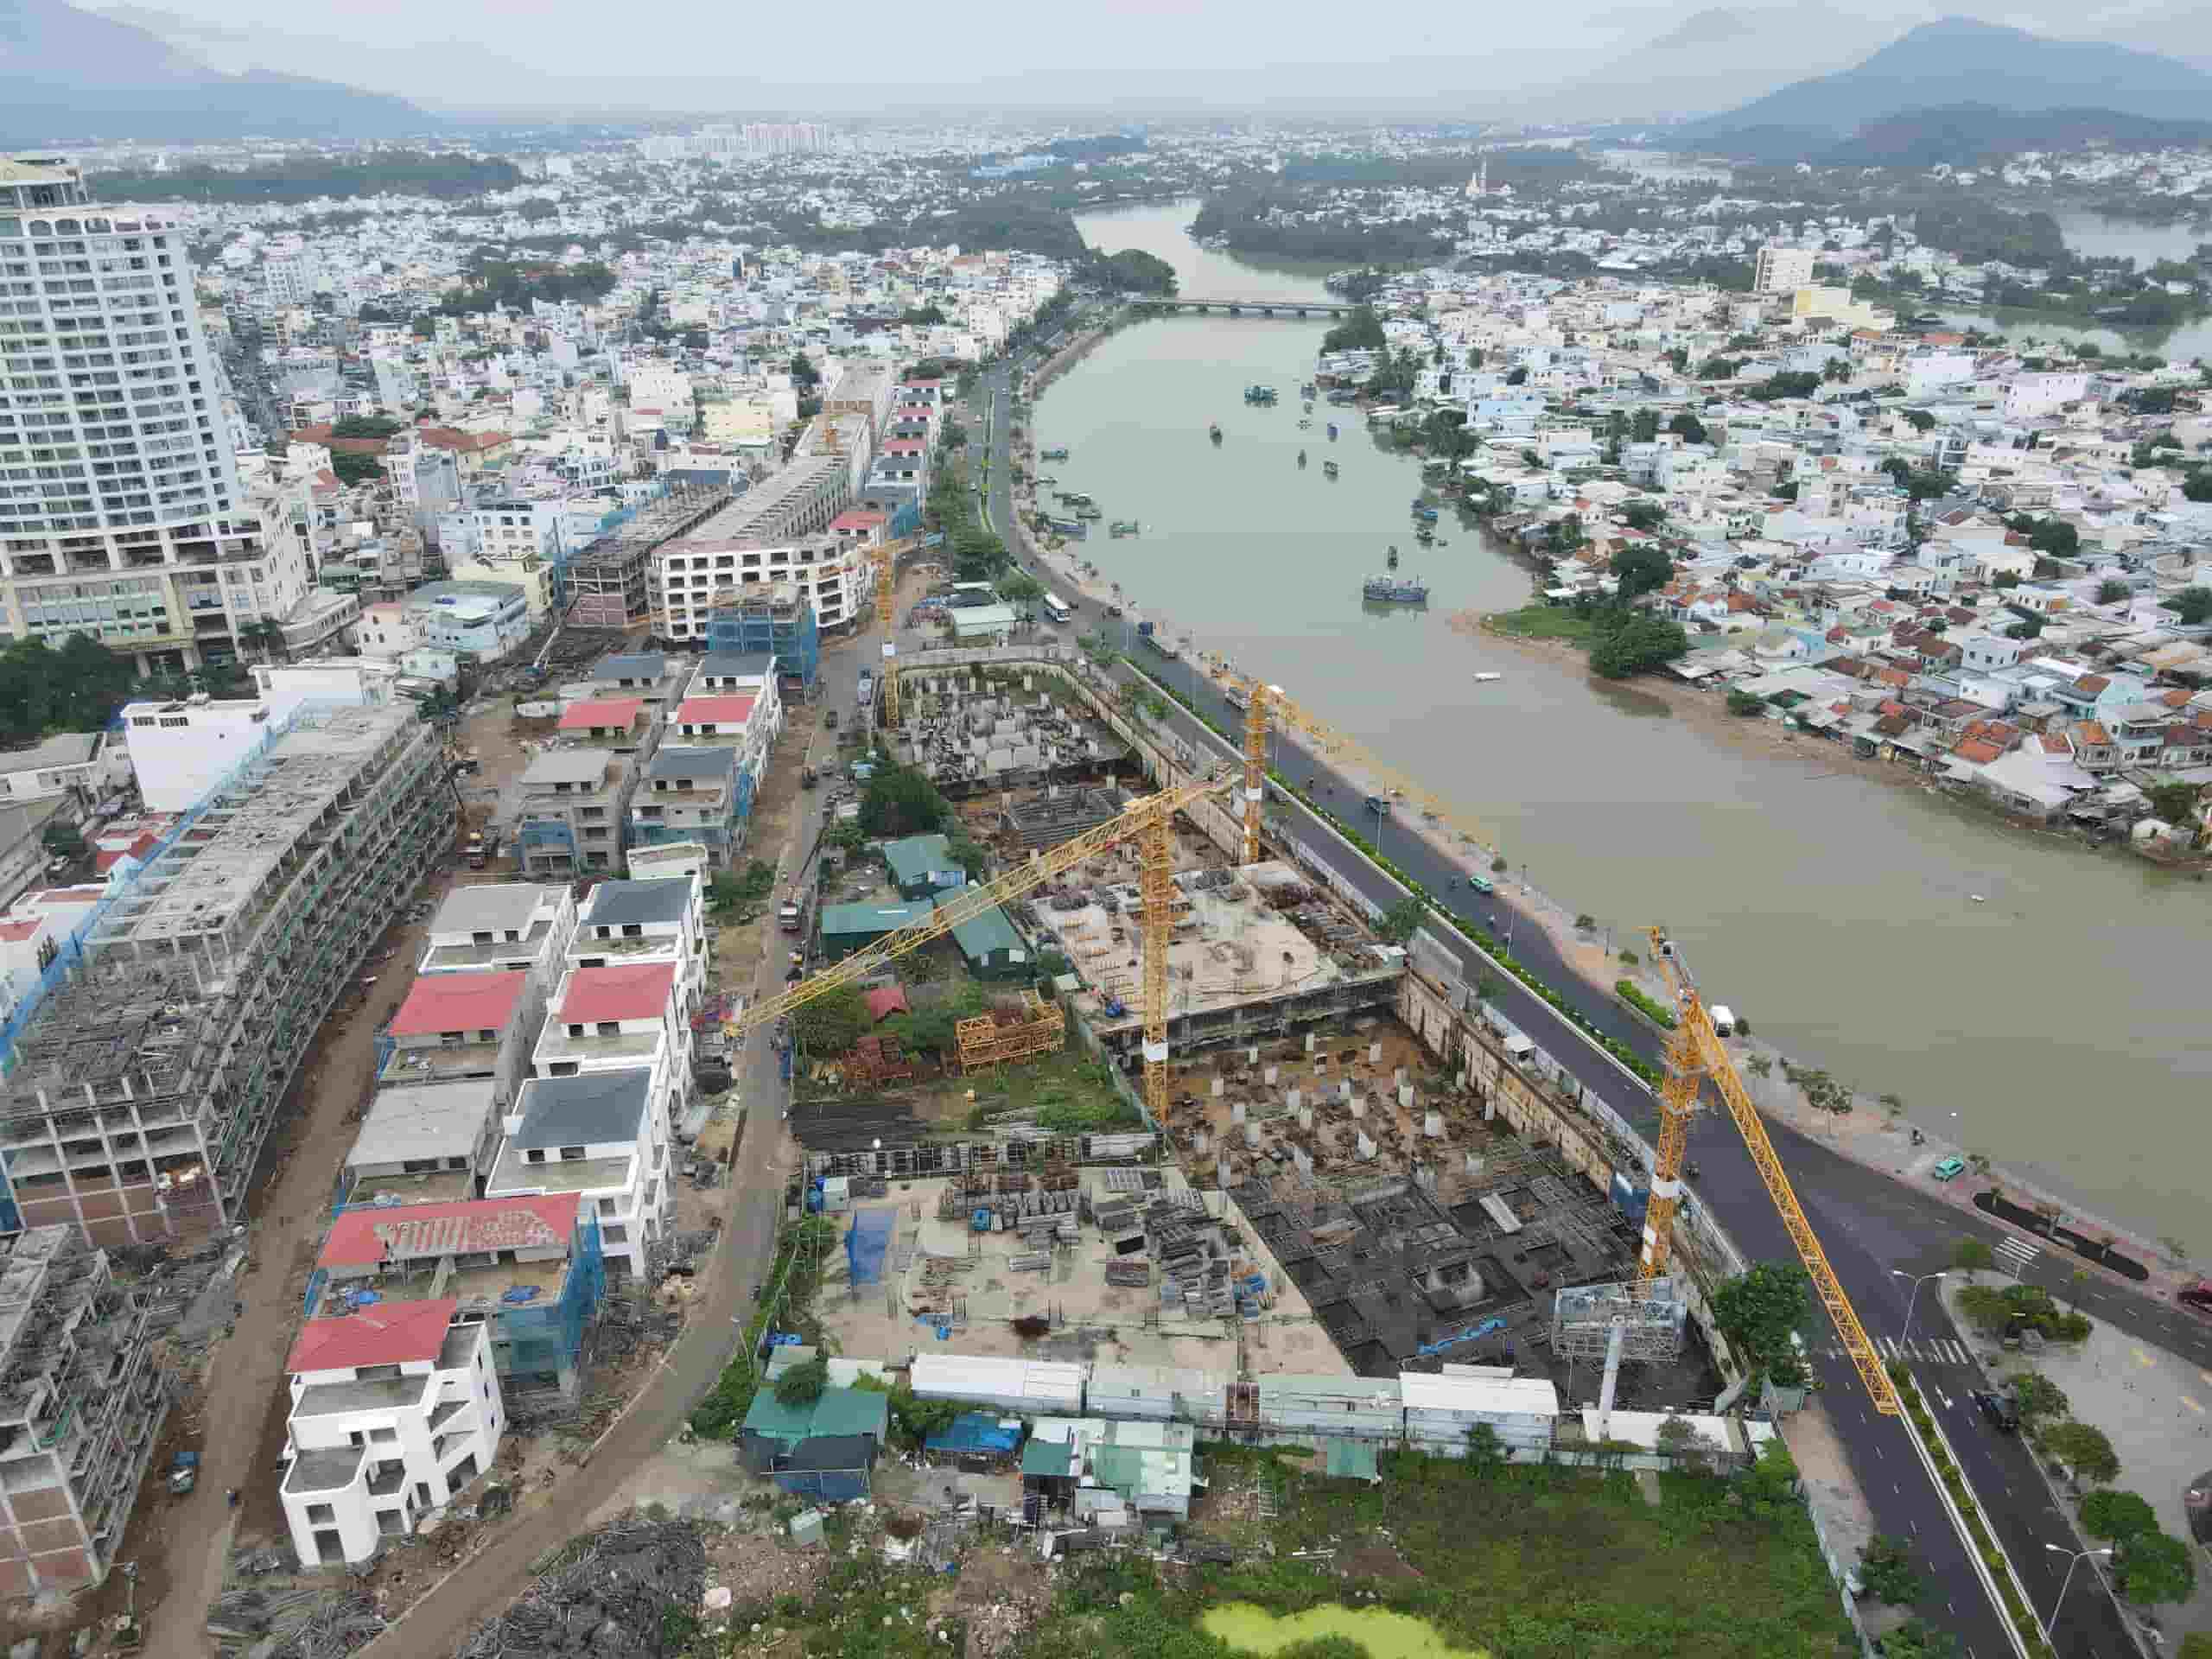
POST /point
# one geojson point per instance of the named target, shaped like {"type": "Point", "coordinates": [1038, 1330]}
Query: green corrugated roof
{"type": "Point", "coordinates": [981, 935]}
{"type": "Point", "coordinates": [1050, 1458]}
{"type": "Point", "coordinates": [849, 919]}
{"type": "Point", "coordinates": [1121, 1467]}
{"type": "Point", "coordinates": [838, 1411]}
{"type": "Point", "coordinates": [1350, 1460]}
{"type": "Point", "coordinates": [912, 857]}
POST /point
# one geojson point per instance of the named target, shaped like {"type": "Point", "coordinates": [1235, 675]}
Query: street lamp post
{"type": "Point", "coordinates": [1899, 1273]}
{"type": "Point", "coordinates": [2061, 1549]}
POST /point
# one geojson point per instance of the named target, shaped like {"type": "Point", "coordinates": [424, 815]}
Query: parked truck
{"type": "Point", "coordinates": [483, 847]}
{"type": "Point", "coordinates": [184, 1472]}
{"type": "Point", "coordinates": [1158, 641]}
{"type": "Point", "coordinates": [790, 915]}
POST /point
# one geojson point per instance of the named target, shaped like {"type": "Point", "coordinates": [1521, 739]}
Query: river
{"type": "Point", "coordinates": [1838, 916]}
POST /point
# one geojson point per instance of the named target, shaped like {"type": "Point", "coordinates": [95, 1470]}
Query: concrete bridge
{"type": "Point", "coordinates": [1255, 307]}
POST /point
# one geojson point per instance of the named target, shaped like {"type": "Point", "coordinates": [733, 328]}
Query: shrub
{"type": "Point", "coordinates": [2117, 1516]}
{"type": "Point", "coordinates": [1586, 921]}
{"type": "Point", "coordinates": [1885, 1568]}
{"type": "Point", "coordinates": [1658, 1013]}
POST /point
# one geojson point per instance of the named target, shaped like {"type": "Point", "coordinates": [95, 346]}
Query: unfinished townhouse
{"type": "Point", "coordinates": [81, 1403]}
{"type": "Point", "coordinates": [148, 1076]}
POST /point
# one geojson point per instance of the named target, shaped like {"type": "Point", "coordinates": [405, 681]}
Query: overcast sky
{"type": "Point", "coordinates": [1221, 53]}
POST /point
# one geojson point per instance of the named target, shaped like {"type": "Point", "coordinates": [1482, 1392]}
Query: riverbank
{"type": "Point", "coordinates": [1066, 357]}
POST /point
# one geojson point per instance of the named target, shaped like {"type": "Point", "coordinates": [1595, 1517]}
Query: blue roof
{"type": "Point", "coordinates": [977, 1432]}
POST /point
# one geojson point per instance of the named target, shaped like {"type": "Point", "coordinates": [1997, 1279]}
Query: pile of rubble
{"type": "Point", "coordinates": [608, 1596]}
{"type": "Point", "coordinates": [313, 1622]}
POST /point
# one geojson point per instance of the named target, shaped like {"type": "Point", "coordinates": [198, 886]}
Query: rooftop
{"type": "Point", "coordinates": [638, 904]}
{"type": "Point", "coordinates": [408, 1232]}
{"type": "Point", "coordinates": [601, 714]}
{"type": "Point", "coordinates": [715, 710]}
{"type": "Point", "coordinates": [460, 1003]}
{"type": "Point", "coordinates": [685, 760]}
{"type": "Point", "coordinates": [584, 766]}
{"type": "Point", "coordinates": [375, 1335]}
{"type": "Point", "coordinates": [329, 1470]}
{"type": "Point", "coordinates": [496, 908]}
{"type": "Point", "coordinates": [593, 1108]}
{"type": "Point", "coordinates": [408, 1121]}
{"type": "Point", "coordinates": [737, 665]}
{"type": "Point", "coordinates": [630, 991]}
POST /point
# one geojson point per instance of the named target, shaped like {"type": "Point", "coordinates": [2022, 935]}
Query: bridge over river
{"type": "Point", "coordinates": [1253, 308]}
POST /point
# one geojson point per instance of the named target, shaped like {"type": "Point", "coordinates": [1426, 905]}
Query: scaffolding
{"type": "Point", "coordinates": [1653, 1320]}
{"type": "Point", "coordinates": [610, 580]}
{"type": "Point", "coordinates": [769, 616]}
{"type": "Point", "coordinates": [1015, 1032]}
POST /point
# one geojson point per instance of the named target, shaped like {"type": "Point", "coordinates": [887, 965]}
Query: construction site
{"type": "Point", "coordinates": [149, 1066]}
{"type": "Point", "coordinates": [973, 732]}
{"type": "Point", "coordinates": [609, 581]}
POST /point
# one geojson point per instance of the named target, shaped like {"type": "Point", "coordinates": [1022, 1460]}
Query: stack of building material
{"type": "Point", "coordinates": [1029, 1260]}
{"type": "Point", "coordinates": [1129, 1273]}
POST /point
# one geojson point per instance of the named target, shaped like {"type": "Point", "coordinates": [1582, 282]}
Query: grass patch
{"type": "Point", "coordinates": [1545, 622]}
{"type": "Point", "coordinates": [1658, 1013]}
{"type": "Point", "coordinates": [1069, 1093]}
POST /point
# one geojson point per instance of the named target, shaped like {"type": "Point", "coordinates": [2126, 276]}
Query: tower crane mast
{"type": "Point", "coordinates": [1149, 821]}
{"type": "Point", "coordinates": [1694, 1053]}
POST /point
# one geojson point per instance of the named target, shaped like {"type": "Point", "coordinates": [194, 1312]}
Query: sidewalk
{"type": "Point", "coordinates": [2154, 1407]}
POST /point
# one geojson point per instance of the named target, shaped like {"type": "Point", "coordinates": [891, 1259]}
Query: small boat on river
{"type": "Point", "coordinates": [1393, 560]}
{"type": "Point", "coordinates": [1333, 431]}
{"type": "Point", "coordinates": [1329, 468]}
{"type": "Point", "coordinates": [1301, 458]}
{"type": "Point", "coordinates": [1389, 590]}
{"type": "Point", "coordinates": [1214, 432]}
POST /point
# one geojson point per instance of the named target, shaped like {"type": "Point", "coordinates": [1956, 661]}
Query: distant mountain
{"type": "Point", "coordinates": [66, 74]}
{"type": "Point", "coordinates": [1965, 135]}
{"type": "Point", "coordinates": [1953, 62]}
{"type": "Point", "coordinates": [1711, 59]}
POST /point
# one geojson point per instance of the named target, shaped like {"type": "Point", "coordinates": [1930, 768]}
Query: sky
{"type": "Point", "coordinates": [1148, 55]}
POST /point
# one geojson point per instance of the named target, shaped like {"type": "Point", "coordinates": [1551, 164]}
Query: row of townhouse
{"type": "Point", "coordinates": [514, 1163]}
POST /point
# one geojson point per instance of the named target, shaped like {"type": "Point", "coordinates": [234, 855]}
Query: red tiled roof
{"type": "Point", "coordinates": [885, 1001]}
{"type": "Point", "coordinates": [618, 712]}
{"type": "Point", "coordinates": [403, 1232]}
{"type": "Point", "coordinates": [108, 858]}
{"type": "Point", "coordinates": [448, 437]}
{"type": "Point", "coordinates": [15, 932]}
{"type": "Point", "coordinates": [714, 711]}
{"type": "Point", "coordinates": [1975, 750]}
{"type": "Point", "coordinates": [442, 1002]}
{"type": "Point", "coordinates": [859, 518]}
{"type": "Point", "coordinates": [634, 991]}
{"type": "Point", "coordinates": [2090, 732]}
{"type": "Point", "coordinates": [386, 1333]}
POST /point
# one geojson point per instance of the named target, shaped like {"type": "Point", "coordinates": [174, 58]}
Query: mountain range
{"type": "Point", "coordinates": [1954, 63]}
{"type": "Point", "coordinates": [70, 75]}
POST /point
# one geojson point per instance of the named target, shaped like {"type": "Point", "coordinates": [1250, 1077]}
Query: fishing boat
{"type": "Point", "coordinates": [1057, 453]}
{"type": "Point", "coordinates": [1074, 498]}
{"type": "Point", "coordinates": [1388, 590]}
{"type": "Point", "coordinates": [1426, 515]}
{"type": "Point", "coordinates": [1121, 527]}
{"type": "Point", "coordinates": [1303, 425]}
{"type": "Point", "coordinates": [1329, 468]}
{"type": "Point", "coordinates": [1301, 458]}
{"type": "Point", "coordinates": [1086, 511]}
{"type": "Point", "coordinates": [1425, 536]}
{"type": "Point", "coordinates": [1259, 394]}
{"type": "Point", "coordinates": [1305, 407]}
{"type": "Point", "coordinates": [1333, 431]}
{"type": "Point", "coordinates": [1485, 678]}
{"type": "Point", "coordinates": [1214, 431]}
{"type": "Point", "coordinates": [1393, 560]}
{"type": "Point", "coordinates": [1306, 391]}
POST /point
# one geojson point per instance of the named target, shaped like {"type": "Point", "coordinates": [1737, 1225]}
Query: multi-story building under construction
{"type": "Point", "coordinates": [81, 1403]}
{"type": "Point", "coordinates": [140, 1088]}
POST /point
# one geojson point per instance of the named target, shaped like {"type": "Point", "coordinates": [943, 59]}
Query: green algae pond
{"type": "Point", "coordinates": [1383, 1634]}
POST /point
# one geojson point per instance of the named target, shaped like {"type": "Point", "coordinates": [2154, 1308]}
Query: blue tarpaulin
{"type": "Point", "coordinates": [974, 1433]}
{"type": "Point", "coordinates": [869, 1241]}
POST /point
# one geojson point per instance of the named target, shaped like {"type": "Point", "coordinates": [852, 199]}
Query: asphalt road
{"type": "Point", "coordinates": [1871, 1226]}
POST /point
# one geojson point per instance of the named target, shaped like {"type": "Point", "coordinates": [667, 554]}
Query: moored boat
{"type": "Point", "coordinates": [1389, 590]}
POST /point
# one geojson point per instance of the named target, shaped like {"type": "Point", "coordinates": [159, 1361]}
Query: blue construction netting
{"type": "Point", "coordinates": [906, 521]}
{"type": "Point", "coordinates": [869, 1242]}
{"type": "Point", "coordinates": [975, 1434]}
{"type": "Point", "coordinates": [543, 1339]}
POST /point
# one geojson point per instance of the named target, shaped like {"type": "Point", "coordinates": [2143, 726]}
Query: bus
{"type": "Point", "coordinates": [1056, 610]}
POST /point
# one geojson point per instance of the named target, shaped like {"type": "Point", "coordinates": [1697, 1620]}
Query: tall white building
{"type": "Point", "coordinates": [1783, 270]}
{"type": "Point", "coordinates": [120, 509]}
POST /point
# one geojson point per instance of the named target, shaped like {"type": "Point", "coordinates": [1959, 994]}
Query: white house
{"type": "Point", "coordinates": [620, 1015]}
{"type": "Point", "coordinates": [660, 920]}
{"type": "Point", "coordinates": [395, 1410]}
{"type": "Point", "coordinates": [603, 1135]}
{"type": "Point", "coordinates": [503, 925]}
{"type": "Point", "coordinates": [2028, 396]}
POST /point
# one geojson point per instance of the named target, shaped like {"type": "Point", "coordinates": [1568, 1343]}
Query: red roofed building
{"type": "Point", "coordinates": [457, 1027]}
{"type": "Point", "coordinates": [613, 1018]}
{"type": "Point", "coordinates": [622, 723]}
{"type": "Point", "coordinates": [860, 526]}
{"type": "Point", "coordinates": [396, 1411]}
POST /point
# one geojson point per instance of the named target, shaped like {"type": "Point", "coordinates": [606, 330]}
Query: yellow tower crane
{"type": "Point", "coordinates": [1149, 821]}
{"type": "Point", "coordinates": [1270, 706]}
{"type": "Point", "coordinates": [1694, 1053]}
{"type": "Point", "coordinates": [886, 560]}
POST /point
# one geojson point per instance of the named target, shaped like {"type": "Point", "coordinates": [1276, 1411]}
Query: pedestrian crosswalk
{"type": "Point", "coordinates": [2013, 1254]}
{"type": "Point", "coordinates": [1915, 1350]}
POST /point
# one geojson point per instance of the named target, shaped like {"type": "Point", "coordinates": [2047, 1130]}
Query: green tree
{"type": "Point", "coordinates": [1768, 1487]}
{"type": "Point", "coordinates": [1917, 1639]}
{"type": "Point", "coordinates": [1642, 642]}
{"type": "Point", "coordinates": [1564, 536]}
{"type": "Point", "coordinates": [1517, 376]}
{"type": "Point", "coordinates": [353, 470]}
{"type": "Point", "coordinates": [1361, 330]}
{"type": "Point", "coordinates": [1745, 703]}
{"type": "Point", "coordinates": [2111, 591]}
{"type": "Point", "coordinates": [1919, 419]}
{"type": "Point", "coordinates": [1642, 569]}
{"type": "Point", "coordinates": [1644, 428]}
{"type": "Point", "coordinates": [1885, 1568]}
{"type": "Point", "coordinates": [833, 1021]}
{"type": "Point", "coordinates": [1134, 272]}
{"type": "Point", "coordinates": [1020, 587]}
{"type": "Point", "coordinates": [901, 801]}
{"type": "Point", "coordinates": [1688, 427]}
{"type": "Point", "coordinates": [803, 1384]}
{"type": "Point", "coordinates": [2036, 1397]}
{"type": "Point", "coordinates": [1759, 1311]}
{"type": "Point", "coordinates": [1974, 1255]}
{"type": "Point", "coordinates": [2193, 606]}
{"type": "Point", "coordinates": [2117, 1516]}
{"type": "Point", "coordinates": [2172, 803]}
{"type": "Point", "coordinates": [2156, 1566]}
{"type": "Point", "coordinates": [2084, 1449]}
{"type": "Point", "coordinates": [1399, 921]}
{"type": "Point", "coordinates": [1645, 516]}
